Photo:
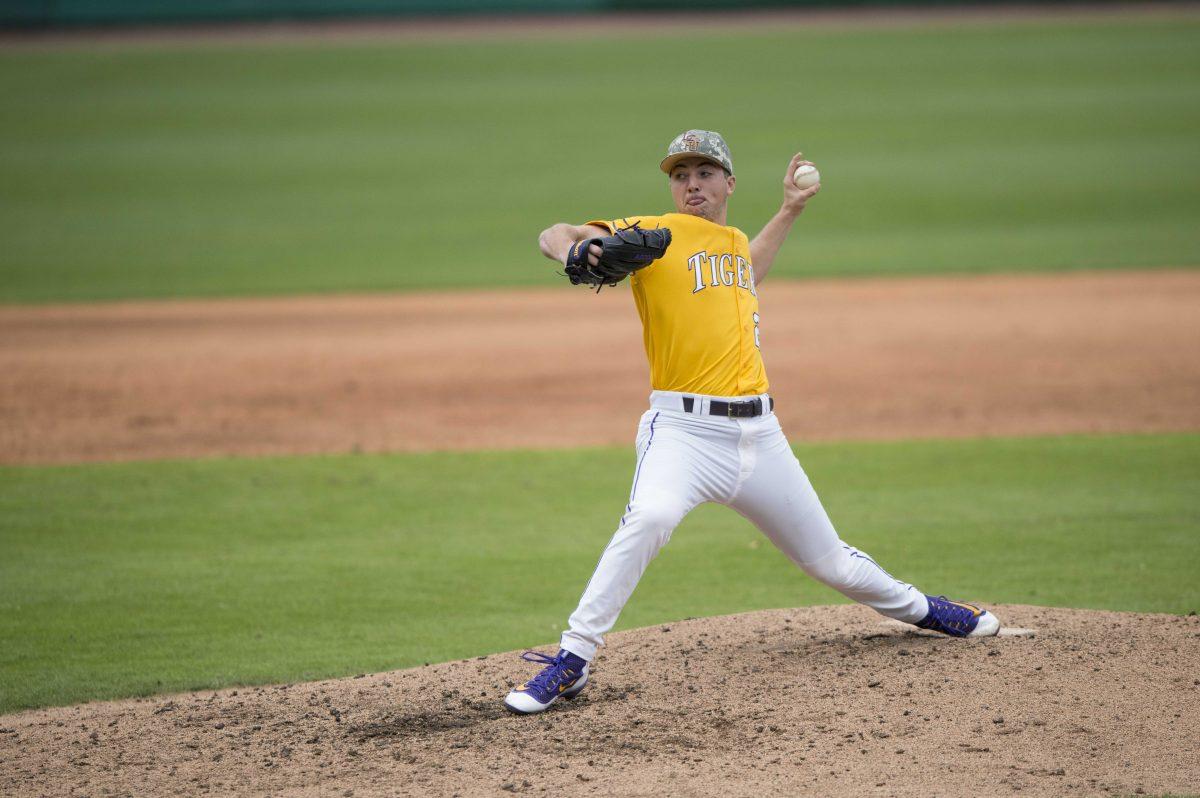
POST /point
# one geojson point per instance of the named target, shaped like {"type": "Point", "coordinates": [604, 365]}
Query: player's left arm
{"type": "Point", "coordinates": [766, 244]}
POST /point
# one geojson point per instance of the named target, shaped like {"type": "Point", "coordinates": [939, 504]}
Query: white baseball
{"type": "Point", "coordinates": [806, 176]}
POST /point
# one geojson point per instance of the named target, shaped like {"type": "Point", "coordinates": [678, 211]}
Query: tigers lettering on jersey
{"type": "Point", "coordinates": [725, 268]}
{"type": "Point", "coordinates": [699, 309]}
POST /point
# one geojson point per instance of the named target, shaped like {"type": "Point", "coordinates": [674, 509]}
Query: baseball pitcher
{"type": "Point", "coordinates": [710, 434]}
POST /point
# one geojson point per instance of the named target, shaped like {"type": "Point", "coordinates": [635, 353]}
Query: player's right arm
{"type": "Point", "coordinates": [556, 241]}
{"type": "Point", "coordinates": [766, 244]}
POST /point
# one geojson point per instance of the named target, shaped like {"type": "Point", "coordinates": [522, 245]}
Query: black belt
{"type": "Point", "coordinates": [747, 409]}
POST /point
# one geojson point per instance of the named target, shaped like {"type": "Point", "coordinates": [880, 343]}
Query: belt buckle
{"type": "Point", "coordinates": [746, 409]}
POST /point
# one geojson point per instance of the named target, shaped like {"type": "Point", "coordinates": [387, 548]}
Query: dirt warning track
{"type": "Point", "coordinates": [871, 359]}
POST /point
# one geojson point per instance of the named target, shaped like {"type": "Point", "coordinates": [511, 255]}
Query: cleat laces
{"type": "Point", "coordinates": [554, 674]}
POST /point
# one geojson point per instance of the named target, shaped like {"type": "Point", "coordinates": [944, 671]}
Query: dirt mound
{"type": "Point", "coordinates": [875, 359]}
{"type": "Point", "coordinates": [822, 700]}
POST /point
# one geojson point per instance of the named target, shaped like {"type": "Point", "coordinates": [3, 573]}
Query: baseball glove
{"type": "Point", "coordinates": [622, 253]}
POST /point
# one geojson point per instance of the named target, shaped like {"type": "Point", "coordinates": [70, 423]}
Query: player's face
{"type": "Point", "coordinates": [701, 188]}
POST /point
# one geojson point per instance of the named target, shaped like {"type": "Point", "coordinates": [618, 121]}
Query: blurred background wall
{"type": "Point", "coordinates": [66, 13]}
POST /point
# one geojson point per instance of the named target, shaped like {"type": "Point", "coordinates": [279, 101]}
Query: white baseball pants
{"type": "Point", "coordinates": [685, 459]}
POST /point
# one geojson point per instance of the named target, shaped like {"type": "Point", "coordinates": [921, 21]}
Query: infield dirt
{"type": "Point", "coordinates": [865, 359]}
{"type": "Point", "coordinates": [814, 701]}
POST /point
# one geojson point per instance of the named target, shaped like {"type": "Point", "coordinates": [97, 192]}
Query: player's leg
{"type": "Point", "coordinates": [669, 480]}
{"type": "Point", "coordinates": [779, 499]}
{"type": "Point", "coordinates": [672, 475]}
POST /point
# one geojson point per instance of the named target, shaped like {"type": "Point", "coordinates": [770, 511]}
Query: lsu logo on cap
{"type": "Point", "coordinates": [706, 144]}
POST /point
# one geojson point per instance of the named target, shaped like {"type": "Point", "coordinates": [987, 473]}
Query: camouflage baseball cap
{"type": "Point", "coordinates": [698, 144]}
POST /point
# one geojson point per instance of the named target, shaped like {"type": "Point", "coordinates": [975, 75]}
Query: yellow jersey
{"type": "Point", "coordinates": [699, 308]}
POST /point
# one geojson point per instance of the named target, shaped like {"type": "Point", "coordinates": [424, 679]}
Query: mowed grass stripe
{"type": "Point", "coordinates": [312, 167]}
{"type": "Point", "coordinates": [136, 578]}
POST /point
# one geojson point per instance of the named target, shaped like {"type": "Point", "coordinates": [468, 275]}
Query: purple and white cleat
{"type": "Point", "coordinates": [957, 619]}
{"type": "Point", "coordinates": [563, 677]}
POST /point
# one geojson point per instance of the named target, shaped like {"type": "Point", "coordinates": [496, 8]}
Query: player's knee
{"type": "Point", "coordinates": [658, 516]}
{"type": "Point", "coordinates": [834, 570]}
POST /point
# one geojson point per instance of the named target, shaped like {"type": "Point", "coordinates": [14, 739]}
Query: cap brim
{"type": "Point", "coordinates": [669, 162]}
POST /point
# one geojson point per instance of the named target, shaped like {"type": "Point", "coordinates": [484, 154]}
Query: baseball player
{"type": "Point", "coordinates": [710, 434]}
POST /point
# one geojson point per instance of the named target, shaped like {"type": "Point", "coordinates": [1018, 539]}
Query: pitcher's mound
{"type": "Point", "coordinates": [814, 701]}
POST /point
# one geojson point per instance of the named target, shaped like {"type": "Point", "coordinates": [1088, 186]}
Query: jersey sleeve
{"type": "Point", "coordinates": [612, 225]}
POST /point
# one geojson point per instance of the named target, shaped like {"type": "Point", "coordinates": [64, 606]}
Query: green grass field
{"type": "Point", "coordinates": [219, 169]}
{"type": "Point", "coordinates": [130, 579]}
{"type": "Point", "coordinates": [213, 169]}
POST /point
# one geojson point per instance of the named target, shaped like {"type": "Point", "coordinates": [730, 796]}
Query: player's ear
{"type": "Point", "coordinates": [729, 182]}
